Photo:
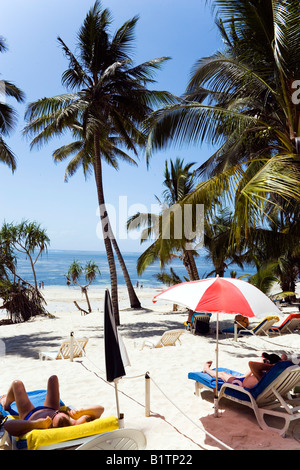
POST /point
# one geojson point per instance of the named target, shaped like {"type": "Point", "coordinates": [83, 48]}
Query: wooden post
{"type": "Point", "coordinates": [71, 346]}
{"type": "Point", "coordinates": [147, 395]}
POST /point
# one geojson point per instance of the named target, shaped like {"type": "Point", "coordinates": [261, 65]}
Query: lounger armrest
{"type": "Point", "coordinates": [239, 393]}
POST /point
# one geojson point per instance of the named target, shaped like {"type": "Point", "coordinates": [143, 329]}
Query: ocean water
{"type": "Point", "coordinates": [52, 267]}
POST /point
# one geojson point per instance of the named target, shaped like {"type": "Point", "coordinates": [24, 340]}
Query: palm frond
{"type": "Point", "coordinates": [11, 90]}
{"type": "Point", "coordinates": [8, 118]}
{"type": "Point", "coordinates": [192, 123]}
{"type": "Point", "coordinates": [6, 155]}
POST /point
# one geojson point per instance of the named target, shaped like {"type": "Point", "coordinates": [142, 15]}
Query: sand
{"type": "Point", "coordinates": [179, 420]}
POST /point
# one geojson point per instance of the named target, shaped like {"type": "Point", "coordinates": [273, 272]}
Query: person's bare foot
{"type": "Point", "coordinates": [3, 401]}
{"type": "Point", "coordinates": [207, 365]}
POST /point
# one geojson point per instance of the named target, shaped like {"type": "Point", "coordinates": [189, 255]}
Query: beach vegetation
{"type": "Point", "coordinates": [244, 100]}
{"type": "Point", "coordinates": [75, 272]}
{"type": "Point", "coordinates": [275, 248]}
{"type": "Point", "coordinates": [217, 242]}
{"type": "Point", "coordinates": [28, 239]}
{"type": "Point", "coordinates": [168, 244]}
{"type": "Point", "coordinates": [21, 299]}
{"type": "Point", "coordinates": [108, 98]}
{"type": "Point", "coordinates": [169, 279]}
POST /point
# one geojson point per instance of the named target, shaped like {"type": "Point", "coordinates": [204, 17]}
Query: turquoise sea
{"type": "Point", "coordinates": [52, 267]}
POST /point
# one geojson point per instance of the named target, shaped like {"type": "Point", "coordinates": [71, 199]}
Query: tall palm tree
{"type": "Point", "coordinates": [168, 227]}
{"type": "Point", "coordinates": [217, 239]}
{"type": "Point", "coordinates": [242, 101]}
{"type": "Point", "coordinates": [109, 100]}
{"type": "Point", "coordinates": [8, 115]}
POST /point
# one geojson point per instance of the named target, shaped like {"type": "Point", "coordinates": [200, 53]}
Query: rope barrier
{"type": "Point", "coordinates": [147, 399]}
{"type": "Point", "coordinates": [191, 420]}
{"type": "Point", "coordinates": [144, 406]}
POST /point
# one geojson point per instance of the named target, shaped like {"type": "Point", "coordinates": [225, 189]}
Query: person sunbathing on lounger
{"type": "Point", "coordinates": [253, 376]}
{"type": "Point", "coordinates": [46, 416]}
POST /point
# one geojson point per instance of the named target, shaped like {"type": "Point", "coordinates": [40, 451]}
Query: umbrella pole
{"type": "Point", "coordinates": [119, 415]}
{"type": "Point", "coordinates": [217, 367]}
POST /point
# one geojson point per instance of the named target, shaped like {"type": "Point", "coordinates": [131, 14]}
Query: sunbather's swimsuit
{"type": "Point", "coordinates": [37, 408]}
{"type": "Point", "coordinates": [238, 381]}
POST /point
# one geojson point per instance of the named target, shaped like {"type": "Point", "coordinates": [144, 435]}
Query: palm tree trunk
{"type": "Point", "coordinates": [190, 265]}
{"type": "Point", "coordinates": [134, 301]}
{"type": "Point", "coordinates": [193, 265]}
{"type": "Point", "coordinates": [84, 290]}
{"type": "Point", "coordinates": [187, 266]}
{"type": "Point", "coordinates": [33, 270]}
{"type": "Point", "coordinates": [106, 230]}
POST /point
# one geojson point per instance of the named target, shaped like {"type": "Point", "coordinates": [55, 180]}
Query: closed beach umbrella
{"type": "Point", "coordinates": [115, 353]}
{"type": "Point", "coordinates": [220, 295]}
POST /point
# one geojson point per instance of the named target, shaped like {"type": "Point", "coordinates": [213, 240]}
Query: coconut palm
{"type": "Point", "coordinates": [168, 227]}
{"type": "Point", "coordinates": [109, 99]}
{"type": "Point", "coordinates": [7, 115]}
{"type": "Point", "coordinates": [243, 100]}
{"type": "Point", "coordinates": [276, 245]}
{"type": "Point", "coordinates": [217, 242]}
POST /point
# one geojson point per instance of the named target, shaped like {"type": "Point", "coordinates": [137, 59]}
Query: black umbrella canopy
{"type": "Point", "coordinates": [113, 358]}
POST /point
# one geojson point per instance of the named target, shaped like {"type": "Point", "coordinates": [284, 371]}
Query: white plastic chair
{"type": "Point", "coordinates": [121, 439]}
{"type": "Point", "coordinates": [169, 338]}
{"type": "Point", "coordinates": [65, 350]}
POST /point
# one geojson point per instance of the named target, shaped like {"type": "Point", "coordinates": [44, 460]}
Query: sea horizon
{"type": "Point", "coordinates": [51, 268]}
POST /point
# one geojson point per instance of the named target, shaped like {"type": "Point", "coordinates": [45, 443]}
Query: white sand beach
{"type": "Point", "coordinates": [179, 420]}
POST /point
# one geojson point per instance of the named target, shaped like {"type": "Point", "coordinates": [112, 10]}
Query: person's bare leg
{"type": "Point", "coordinates": [52, 399]}
{"type": "Point", "coordinates": [221, 375]}
{"type": "Point", "coordinates": [18, 394]}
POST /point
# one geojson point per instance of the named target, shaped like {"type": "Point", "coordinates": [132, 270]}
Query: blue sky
{"type": "Point", "coordinates": [185, 31]}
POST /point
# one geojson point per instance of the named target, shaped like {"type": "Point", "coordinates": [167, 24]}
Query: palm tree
{"type": "Point", "coordinates": [7, 115]}
{"type": "Point", "coordinates": [90, 270]}
{"type": "Point", "coordinates": [27, 238]}
{"type": "Point", "coordinates": [217, 243]}
{"type": "Point", "coordinates": [276, 247]}
{"type": "Point", "coordinates": [21, 299]}
{"type": "Point", "coordinates": [242, 100]}
{"type": "Point", "coordinates": [168, 244]}
{"type": "Point", "coordinates": [109, 100]}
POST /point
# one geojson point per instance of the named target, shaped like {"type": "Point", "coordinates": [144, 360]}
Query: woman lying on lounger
{"type": "Point", "coordinates": [46, 416]}
{"type": "Point", "coordinates": [253, 376]}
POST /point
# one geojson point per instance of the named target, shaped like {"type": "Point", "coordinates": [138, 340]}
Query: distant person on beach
{"type": "Point", "coordinates": [257, 370]}
{"type": "Point", "coordinates": [46, 416]}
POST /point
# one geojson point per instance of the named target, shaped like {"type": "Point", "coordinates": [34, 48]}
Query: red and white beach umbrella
{"type": "Point", "coordinates": [220, 295]}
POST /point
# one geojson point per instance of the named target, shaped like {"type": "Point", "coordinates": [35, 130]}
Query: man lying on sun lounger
{"type": "Point", "coordinates": [253, 376]}
{"type": "Point", "coordinates": [46, 416]}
